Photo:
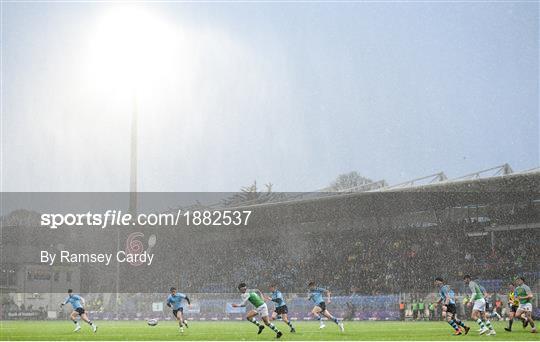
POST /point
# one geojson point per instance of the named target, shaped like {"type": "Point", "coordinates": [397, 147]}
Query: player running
{"type": "Point", "coordinates": [174, 301]}
{"type": "Point", "coordinates": [316, 295]}
{"type": "Point", "coordinates": [491, 310]}
{"type": "Point", "coordinates": [280, 307]}
{"type": "Point", "coordinates": [513, 305]}
{"type": "Point", "coordinates": [448, 300]}
{"type": "Point", "coordinates": [524, 295]}
{"type": "Point", "coordinates": [479, 307]}
{"type": "Point", "coordinates": [255, 297]}
{"type": "Point", "coordinates": [77, 303]}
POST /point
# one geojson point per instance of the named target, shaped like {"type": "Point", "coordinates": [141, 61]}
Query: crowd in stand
{"type": "Point", "coordinates": [370, 262]}
{"type": "Point", "coordinates": [347, 260]}
{"type": "Point", "coordinates": [372, 255]}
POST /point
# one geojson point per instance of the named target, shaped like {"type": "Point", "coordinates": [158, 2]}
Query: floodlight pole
{"type": "Point", "coordinates": [132, 189]}
{"type": "Point", "coordinates": [133, 160]}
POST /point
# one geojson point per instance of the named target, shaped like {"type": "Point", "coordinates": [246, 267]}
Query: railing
{"type": "Point", "coordinates": [217, 306]}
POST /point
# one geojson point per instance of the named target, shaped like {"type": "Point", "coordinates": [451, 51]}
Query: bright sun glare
{"type": "Point", "coordinates": [131, 47]}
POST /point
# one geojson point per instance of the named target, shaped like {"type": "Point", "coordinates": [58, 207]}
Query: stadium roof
{"type": "Point", "coordinates": [496, 184]}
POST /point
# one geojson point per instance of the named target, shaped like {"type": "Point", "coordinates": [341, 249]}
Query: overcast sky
{"type": "Point", "coordinates": [292, 94]}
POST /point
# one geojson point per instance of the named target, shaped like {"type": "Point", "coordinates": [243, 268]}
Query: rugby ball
{"type": "Point", "coordinates": [152, 322]}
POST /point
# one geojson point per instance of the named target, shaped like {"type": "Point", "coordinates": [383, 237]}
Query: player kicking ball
{"type": "Point", "coordinates": [280, 307]}
{"type": "Point", "coordinates": [77, 303]}
{"type": "Point", "coordinates": [255, 297]}
{"type": "Point", "coordinates": [174, 301]}
{"type": "Point", "coordinates": [316, 295]}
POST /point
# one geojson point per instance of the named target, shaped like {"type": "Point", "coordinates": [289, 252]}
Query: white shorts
{"type": "Point", "coordinates": [479, 305]}
{"type": "Point", "coordinates": [525, 307]}
{"type": "Point", "coordinates": [262, 310]}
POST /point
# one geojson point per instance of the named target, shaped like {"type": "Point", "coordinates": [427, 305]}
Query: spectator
{"type": "Point", "coordinates": [431, 311]}
{"type": "Point", "coordinates": [402, 310]}
{"type": "Point", "coordinates": [421, 310]}
{"type": "Point", "coordinates": [415, 309]}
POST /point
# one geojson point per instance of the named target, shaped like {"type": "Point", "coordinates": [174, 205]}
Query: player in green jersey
{"type": "Point", "coordinates": [255, 297]}
{"type": "Point", "coordinates": [478, 302]}
{"type": "Point", "coordinates": [524, 295]}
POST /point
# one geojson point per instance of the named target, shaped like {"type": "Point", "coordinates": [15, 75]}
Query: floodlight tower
{"type": "Point", "coordinates": [133, 161]}
{"type": "Point", "coordinates": [129, 50]}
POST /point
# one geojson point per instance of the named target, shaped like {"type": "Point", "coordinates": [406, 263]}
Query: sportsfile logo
{"type": "Point", "coordinates": [119, 218]}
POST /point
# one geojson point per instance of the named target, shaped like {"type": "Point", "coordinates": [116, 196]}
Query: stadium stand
{"type": "Point", "coordinates": [388, 241]}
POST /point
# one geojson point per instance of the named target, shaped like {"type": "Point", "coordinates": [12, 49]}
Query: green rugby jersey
{"type": "Point", "coordinates": [476, 291]}
{"type": "Point", "coordinates": [252, 297]}
{"type": "Point", "coordinates": [522, 291]}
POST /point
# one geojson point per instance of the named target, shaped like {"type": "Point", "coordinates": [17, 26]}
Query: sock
{"type": "Point", "coordinates": [180, 324]}
{"type": "Point", "coordinates": [335, 320]}
{"type": "Point", "coordinates": [318, 318]}
{"type": "Point", "coordinates": [254, 321]}
{"type": "Point", "coordinates": [75, 322]}
{"type": "Point", "coordinates": [480, 323]}
{"type": "Point", "coordinates": [531, 322]}
{"type": "Point", "coordinates": [488, 324]}
{"type": "Point", "coordinates": [273, 327]}
{"type": "Point", "coordinates": [460, 323]}
{"type": "Point", "coordinates": [453, 325]}
{"type": "Point", "coordinates": [289, 323]}
{"type": "Point", "coordinates": [90, 322]}
{"type": "Point", "coordinates": [510, 322]}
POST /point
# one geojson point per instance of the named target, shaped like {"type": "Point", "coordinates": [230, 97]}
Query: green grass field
{"type": "Point", "coordinates": [139, 330]}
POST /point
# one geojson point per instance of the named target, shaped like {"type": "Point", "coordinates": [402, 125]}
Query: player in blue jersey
{"type": "Point", "coordinates": [174, 301]}
{"type": "Point", "coordinates": [315, 294]}
{"type": "Point", "coordinates": [77, 303]}
{"type": "Point", "coordinates": [280, 307]}
{"type": "Point", "coordinates": [448, 300]}
{"type": "Point", "coordinates": [491, 310]}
